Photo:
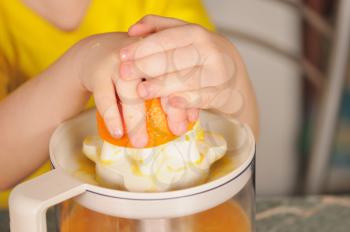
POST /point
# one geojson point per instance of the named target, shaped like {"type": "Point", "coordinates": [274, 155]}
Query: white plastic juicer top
{"type": "Point", "coordinates": [30, 200]}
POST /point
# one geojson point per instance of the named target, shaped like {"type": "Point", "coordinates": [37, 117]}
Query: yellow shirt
{"type": "Point", "coordinates": [30, 44]}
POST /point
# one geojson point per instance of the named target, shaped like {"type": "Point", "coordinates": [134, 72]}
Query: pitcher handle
{"type": "Point", "coordinates": [30, 200]}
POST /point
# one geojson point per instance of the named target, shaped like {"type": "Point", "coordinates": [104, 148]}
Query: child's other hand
{"type": "Point", "coordinates": [189, 66]}
{"type": "Point", "coordinates": [116, 99]}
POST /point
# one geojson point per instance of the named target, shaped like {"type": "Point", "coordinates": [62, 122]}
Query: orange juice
{"type": "Point", "coordinates": [75, 218]}
{"type": "Point", "coordinates": [227, 217]}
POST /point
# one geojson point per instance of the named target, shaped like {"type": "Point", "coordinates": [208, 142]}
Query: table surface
{"type": "Point", "coordinates": [289, 214]}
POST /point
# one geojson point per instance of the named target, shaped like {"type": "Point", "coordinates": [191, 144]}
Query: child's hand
{"type": "Point", "coordinates": [189, 66]}
{"type": "Point", "coordinates": [115, 98]}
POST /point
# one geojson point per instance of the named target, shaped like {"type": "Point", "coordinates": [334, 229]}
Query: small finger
{"type": "Point", "coordinates": [106, 103]}
{"type": "Point", "coordinates": [192, 114]}
{"type": "Point", "coordinates": [161, 63]}
{"type": "Point", "coordinates": [135, 121]}
{"type": "Point", "coordinates": [133, 111]}
{"type": "Point", "coordinates": [185, 80]}
{"type": "Point", "coordinates": [153, 23]}
{"type": "Point", "coordinates": [163, 40]}
{"type": "Point", "coordinates": [225, 99]}
{"type": "Point", "coordinates": [177, 118]}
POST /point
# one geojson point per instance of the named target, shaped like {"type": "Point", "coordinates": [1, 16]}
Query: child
{"type": "Point", "coordinates": [188, 66]}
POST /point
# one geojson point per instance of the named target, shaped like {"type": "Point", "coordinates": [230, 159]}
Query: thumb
{"type": "Point", "coordinates": [153, 23]}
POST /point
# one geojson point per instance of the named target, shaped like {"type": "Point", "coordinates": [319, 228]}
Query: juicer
{"type": "Point", "coordinates": [175, 210]}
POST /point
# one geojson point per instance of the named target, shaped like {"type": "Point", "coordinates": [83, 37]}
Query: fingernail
{"type": "Point", "coordinates": [124, 54]}
{"type": "Point", "coordinates": [139, 24]}
{"type": "Point", "coordinates": [142, 90]}
{"type": "Point", "coordinates": [178, 102]}
{"type": "Point", "coordinates": [179, 128]}
{"type": "Point", "coordinates": [125, 70]}
{"type": "Point", "coordinates": [183, 127]}
{"type": "Point", "coordinates": [139, 141]}
{"type": "Point", "coordinates": [118, 133]}
{"type": "Point", "coordinates": [193, 116]}
{"type": "Point", "coordinates": [115, 132]}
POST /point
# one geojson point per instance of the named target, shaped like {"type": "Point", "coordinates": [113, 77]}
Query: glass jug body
{"type": "Point", "coordinates": [234, 215]}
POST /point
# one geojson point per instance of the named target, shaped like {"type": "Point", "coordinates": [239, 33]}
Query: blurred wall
{"type": "Point", "coordinates": [277, 82]}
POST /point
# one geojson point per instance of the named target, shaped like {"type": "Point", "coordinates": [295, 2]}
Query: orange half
{"type": "Point", "coordinates": [156, 122]}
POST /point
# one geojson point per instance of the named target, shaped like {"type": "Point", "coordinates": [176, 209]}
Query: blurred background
{"type": "Point", "coordinates": [297, 58]}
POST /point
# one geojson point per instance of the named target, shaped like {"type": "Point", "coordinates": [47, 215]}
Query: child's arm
{"type": "Point", "coordinates": [29, 115]}
{"type": "Point", "coordinates": [191, 67]}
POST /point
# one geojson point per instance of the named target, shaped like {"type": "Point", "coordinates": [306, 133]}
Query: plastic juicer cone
{"type": "Point", "coordinates": [29, 201]}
